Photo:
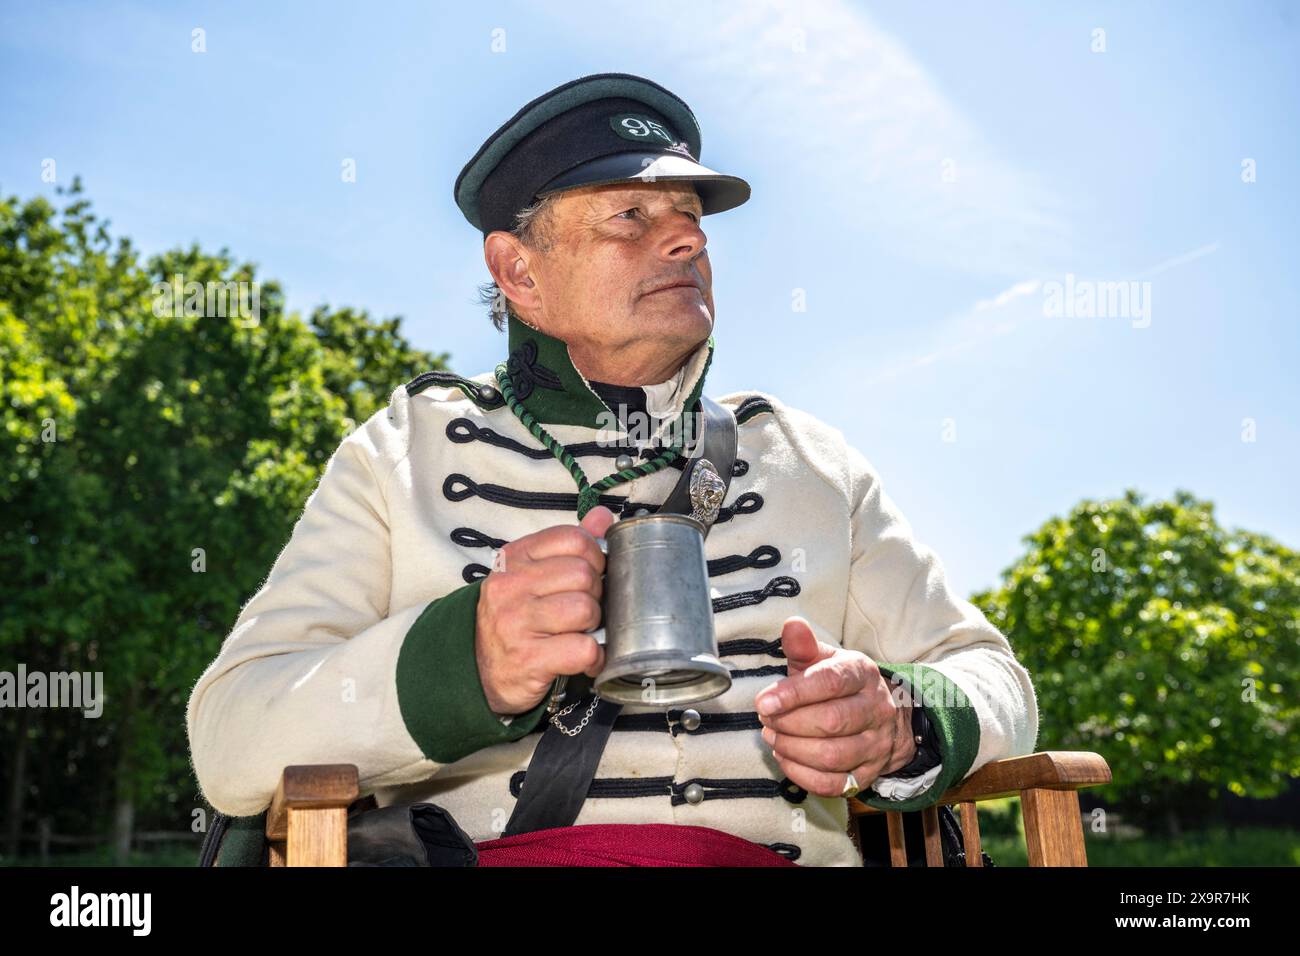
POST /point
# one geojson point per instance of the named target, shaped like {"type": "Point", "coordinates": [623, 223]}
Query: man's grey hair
{"type": "Point", "coordinates": [533, 227]}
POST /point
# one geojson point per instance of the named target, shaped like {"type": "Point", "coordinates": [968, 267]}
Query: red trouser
{"type": "Point", "coordinates": [627, 844]}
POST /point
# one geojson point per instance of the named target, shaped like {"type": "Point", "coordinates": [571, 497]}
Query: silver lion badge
{"type": "Point", "coordinates": [707, 492]}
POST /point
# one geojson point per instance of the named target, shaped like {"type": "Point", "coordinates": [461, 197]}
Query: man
{"type": "Point", "coordinates": [446, 571]}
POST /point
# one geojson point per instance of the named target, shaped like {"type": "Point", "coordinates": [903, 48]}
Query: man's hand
{"type": "Point", "coordinates": [834, 714]}
{"type": "Point", "coordinates": [533, 608]}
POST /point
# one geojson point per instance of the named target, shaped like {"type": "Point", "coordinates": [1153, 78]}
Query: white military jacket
{"type": "Point", "coordinates": [359, 646]}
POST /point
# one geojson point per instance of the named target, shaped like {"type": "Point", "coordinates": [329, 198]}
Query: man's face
{"type": "Point", "coordinates": [613, 250]}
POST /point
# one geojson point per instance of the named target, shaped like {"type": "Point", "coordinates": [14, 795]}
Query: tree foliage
{"type": "Point", "coordinates": [1164, 642]}
{"type": "Point", "coordinates": [154, 465]}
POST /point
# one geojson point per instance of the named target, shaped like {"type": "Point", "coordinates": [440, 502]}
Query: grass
{"type": "Point", "coordinates": [1001, 832]}
{"type": "Point", "coordinates": [170, 854]}
{"type": "Point", "coordinates": [1216, 846]}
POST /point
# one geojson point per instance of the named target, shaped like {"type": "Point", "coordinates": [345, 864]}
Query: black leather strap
{"type": "Point", "coordinates": [563, 766]}
{"type": "Point", "coordinates": [718, 444]}
{"type": "Point", "coordinates": [212, 841]}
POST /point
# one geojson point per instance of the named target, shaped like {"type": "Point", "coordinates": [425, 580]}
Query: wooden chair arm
{"type": "Point", "coordinates": [1048, 770]}
{"type": "Point", "coordinates": [1047, 784]}
{"type": "Point", "coordinates": [307, 823]}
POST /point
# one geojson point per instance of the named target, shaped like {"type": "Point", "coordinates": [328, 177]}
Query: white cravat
{"type": "Point", "coordinates": [660, 399]}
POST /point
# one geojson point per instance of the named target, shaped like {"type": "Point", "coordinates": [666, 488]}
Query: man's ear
{"type": "Point", "coordinates": [507, 260]}
{"type": "Point", "coordinates": [521, 275]}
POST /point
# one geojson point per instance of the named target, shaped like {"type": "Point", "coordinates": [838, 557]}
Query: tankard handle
{"type": "Point", "coordinates": [597, 632]}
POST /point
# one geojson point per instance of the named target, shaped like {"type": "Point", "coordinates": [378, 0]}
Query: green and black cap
{"type": "Point", "coordinates": [603, 128]}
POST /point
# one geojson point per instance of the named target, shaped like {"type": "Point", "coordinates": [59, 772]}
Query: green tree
{"type": "Point", "coordinates": [188, 434]}
{"type": "Point", "coordinates": [365, 360]}
{"type": "Point", "coordinates": [1163, 642]}
{"type": "Point", "coordinates": [63, 289]}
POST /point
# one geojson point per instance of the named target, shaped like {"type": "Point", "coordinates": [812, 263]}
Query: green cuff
{"type": "Point", "coordinates": [956, 723]}
{"type": "Point", "coordinates": [439, 689]}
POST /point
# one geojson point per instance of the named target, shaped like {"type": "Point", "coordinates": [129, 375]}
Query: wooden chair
{"type": "Point", "coordinates": [307, 822]}
{"type": "Point", "coordinates": [1047, 783]}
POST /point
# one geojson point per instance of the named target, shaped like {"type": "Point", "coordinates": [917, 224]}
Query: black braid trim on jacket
{"type": "Point", "coordinates": [671, 722]}
{"type": "Point", "coordinates": [747, 503]}
{"type": "Point", "coordinates": [750, 645]}
{"type": "Point", "coordinates": [749, 407]}
{"type": "Point", "coordinates": [764, 556]}
{"type": "Point", "coordinates": [478, 392]}
{"type": "Point", "coordinates": [462, 431]}
{"type": "Point", "coordinates": [715, 788]}
{"type": "Point", "coordinates": [780, 586]}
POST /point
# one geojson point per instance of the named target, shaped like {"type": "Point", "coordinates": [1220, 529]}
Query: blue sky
{"type": "Point", "coordinates": [922, 172]}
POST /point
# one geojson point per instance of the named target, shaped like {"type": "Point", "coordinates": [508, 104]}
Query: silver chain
{"type": "Point", "coordinates": [555, 718]}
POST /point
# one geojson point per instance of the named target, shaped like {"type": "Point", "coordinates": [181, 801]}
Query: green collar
{"type": "Point", "coordinates": [549, 385]}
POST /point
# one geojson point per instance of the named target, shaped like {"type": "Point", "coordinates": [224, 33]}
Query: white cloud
{"type": "Point", "coordinates": [960, 333]}
{"type": "Point", "coordinates": [851, 115]}
{"type": "Point", "coordinates": [1186, 257]}
{"type": "Point", "coordinates": [1003, 313]}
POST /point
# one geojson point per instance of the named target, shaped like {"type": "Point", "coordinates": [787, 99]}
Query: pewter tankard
{"type": "Point", "coordinates": [657, 615]}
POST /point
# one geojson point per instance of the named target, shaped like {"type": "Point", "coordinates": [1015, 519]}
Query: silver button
{"type": "Point", "coordinates": [623, 462]}
{"type": "Point", "coordinates": [642, 511]}
{"type": "Point", "coordinates": [487, 393]}
{"type": "Point", "coordinates": [694, 793]}
{"type": "Point", "coordinates": [691, 719]}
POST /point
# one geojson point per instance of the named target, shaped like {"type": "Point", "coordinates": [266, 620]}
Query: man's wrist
{"type": "Point", "coordinates": [926, 752]}
{"type": "Point", "coordinates": [904, 742]}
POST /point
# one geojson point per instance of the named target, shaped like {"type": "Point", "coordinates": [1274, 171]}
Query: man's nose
{"type": "Point", "coordinates": [682, 237]}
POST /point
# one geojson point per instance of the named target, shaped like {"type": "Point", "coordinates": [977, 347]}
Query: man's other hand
{"type": "Point", "coordinates": [833, 714]}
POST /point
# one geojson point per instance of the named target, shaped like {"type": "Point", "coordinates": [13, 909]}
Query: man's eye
{"type": "Point", "coordinates": [695, 217]}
